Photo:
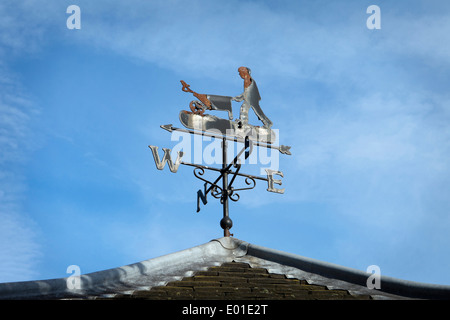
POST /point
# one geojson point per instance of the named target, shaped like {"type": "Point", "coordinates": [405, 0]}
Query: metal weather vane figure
{"type": "Point", "coordinates": [239, 130]}
{"type": "Point", "coordinates": [251, 99]}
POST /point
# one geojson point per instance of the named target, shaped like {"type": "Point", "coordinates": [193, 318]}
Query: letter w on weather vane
{"type": "Point", "coordinates": [197, 122]}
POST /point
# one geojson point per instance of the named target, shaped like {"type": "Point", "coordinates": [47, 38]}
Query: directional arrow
{"type": "Point", "coordinates": [283, 149]}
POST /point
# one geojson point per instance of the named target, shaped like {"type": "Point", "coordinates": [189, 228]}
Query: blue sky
{"type": "Point", "coordinates": [366, 113]}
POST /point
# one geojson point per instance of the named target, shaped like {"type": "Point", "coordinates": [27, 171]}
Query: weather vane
{"type": "Point", "coordinates": [239, 130]}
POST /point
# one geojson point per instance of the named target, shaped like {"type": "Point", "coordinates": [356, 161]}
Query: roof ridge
{"type": "Point", "coordinates": [174, 266]}
{"type": "Point", "coordinates": [390, 285]}
{"type": "Point", "coordinates": [238, 247]}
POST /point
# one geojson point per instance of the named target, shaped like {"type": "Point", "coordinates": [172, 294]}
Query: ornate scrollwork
{"type": "Point", "coordinates": [232, 191]}
{"type": "Point", "coordinates": [216, 191]}
{"type": "Point", "coordinates": [233, 196]}
{"type": "Point", "coordinates": [198, 172]}
{"type": "Point", "coordinates": [202, 172]}
{"type": "Point", "coordinates": [250, 182]}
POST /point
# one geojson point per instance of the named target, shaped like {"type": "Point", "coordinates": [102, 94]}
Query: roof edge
{"type": "Point", "coordinates": [153, 272]}
{"type": "Point", "coordinates": [171, 267]}
{"type": "Point", "coordinates": [399, 287]}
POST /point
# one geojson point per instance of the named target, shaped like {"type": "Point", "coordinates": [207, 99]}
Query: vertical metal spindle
{"type": "Point", "coordinates": [226, 222]}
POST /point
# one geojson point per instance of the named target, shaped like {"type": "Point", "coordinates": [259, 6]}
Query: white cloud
{"type": "Point", "coordinates": [207, 37]}
{"type": "Point", "coordinates": [19, 235]}
{"type": "Point", "coordinates": [421, 36]}
{"type": "Point", "coordinates": [380, 161]}
{"type": "Point", "coordinates": [20, 252]}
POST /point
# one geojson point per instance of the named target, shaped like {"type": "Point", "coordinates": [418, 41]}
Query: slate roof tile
{"type": "Point", "coordinates": [240, 281]}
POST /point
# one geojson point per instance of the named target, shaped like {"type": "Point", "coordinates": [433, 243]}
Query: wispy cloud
{"type": "Point", "coordinates": [207, 37]}
{"type": "Point", "coordinates": [20, 252]}
{"type": "Point", "coordinates": [19, 249]}
{"type": "Point", "coordinates": [19, 235]}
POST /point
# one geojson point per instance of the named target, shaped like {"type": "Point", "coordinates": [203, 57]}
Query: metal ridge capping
{"type": "Point", "coordinates": [174, 266]}
{"type": "Point", "coordinates": [399, 287]}
{"type": "Point", "coordinates": [155, 272]}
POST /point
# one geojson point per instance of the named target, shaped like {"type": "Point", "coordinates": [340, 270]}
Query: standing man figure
{"type": "Point", "coordinates": [251, 99]}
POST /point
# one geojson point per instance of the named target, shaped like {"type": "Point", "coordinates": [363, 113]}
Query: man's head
{"type": "Point", "coordinates": [244, 72]}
